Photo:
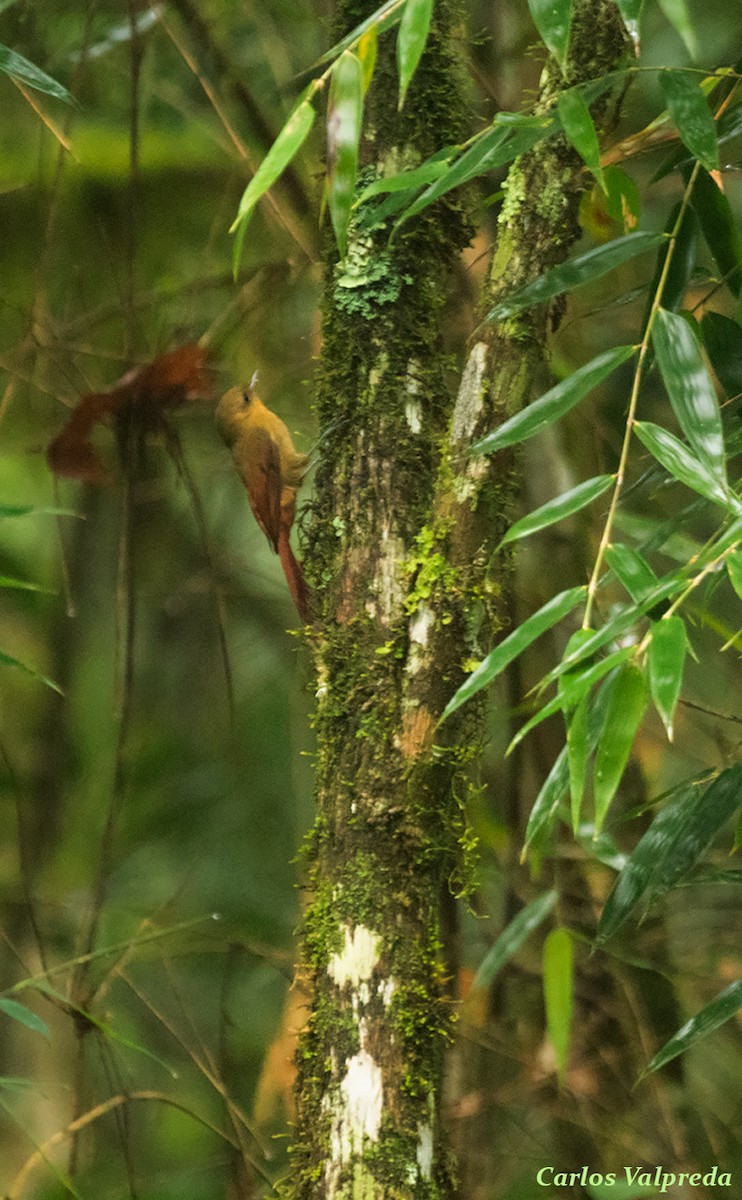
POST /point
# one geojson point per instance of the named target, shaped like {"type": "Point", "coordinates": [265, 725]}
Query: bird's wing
{"type": "Point", "coordinates": [264, 486]}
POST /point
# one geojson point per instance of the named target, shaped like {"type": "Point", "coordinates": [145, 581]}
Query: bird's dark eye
{"type": "Point", "coordinates": [245, 398]}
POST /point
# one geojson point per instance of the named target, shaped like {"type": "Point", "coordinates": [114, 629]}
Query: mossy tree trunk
{"type": "Point", "coordinates": [402, 534]}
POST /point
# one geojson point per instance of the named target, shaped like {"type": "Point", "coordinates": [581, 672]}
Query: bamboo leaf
{"type": "Point", "coordinates": [626, 705]}
{"type": "Point", "coordinates": [553, 19]}
{"type": "Point", "coordinates": [407, 181]}
{"type": "Point", "coordinates": [385, 17]}
{"type": "Point", "coordinates": [719, 228]}
{"type": "Point", "coordinates": [678, 460]}
{"type": "Point", "coordinates": [666, 661]}
{"type": "Point", "coordinates": [558, 993]}
{"type": "Point", "coordinates": [413, 34]}
{"type": "Point", "coordinates": [578, 126]}
{"type": "Point", "coordinates": [678, 15]}
{"type": "Point", "coordinates": [721, 1009]}
{"type": "Point", "coordinates": [631, 11]}
{"type": "Point", "coordinates": [29, 510]}
{"type": "Point", "coordinates": [558, 509]}
{"type": "Point", "coordinates": [690, 389]}
{"type": "Point", "coordinates": [585, 268]}
{"type": "Point", "coordinates": [734, 570]}
{"type": "Point", "coordinates": [289, 141]}
{"type": "Point", "coordinates": [678, 837]}
{"type": "Point", "coordinates": [368, 47]}
{"type": "Point", "coordinates": [19, 1012]}
{"type": "Point", "coordinates": [577, 758]}
{"type": "Point", "coordinates": [722, 338]}
{"type": "Point", "coordinates": [7, 660]}
{"type": "Point", "coordinates": [691, 116]}
{"type": "Point", "coordinates": [513, 937]}
{"type": "Point", "coordinates": [18, 67]}
{"type": "Point", "coordinates": [514, 644]}
{"type": "Point", "coordinates": [555, 403]}
{"type": "Point", "coordinates": [633, 571]}
{"type": "Point", "coordinates": [344, 119]}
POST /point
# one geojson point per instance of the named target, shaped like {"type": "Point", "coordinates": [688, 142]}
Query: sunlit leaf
{"type": "Point", "coordinates": [576, 271]}
{"type": "Point", "coordinates": [344, 119]}
{"type": "Point", "coordinates": [413, 34]}
{"type": "Point", "coordinates": [558, 509]}
{"type": "Point", "coordinates": [20, 68]}
{"type": "Point", "coordinates": [631, 11]}
{"type": "Point", "coordinates": [666, 661]}
{"type": "Point", "coordinates": [677, 839]}
{"type": "Point", "coordinates": [579, 129]}
{"type": "Point", "coordinates": [367, 51]}
{"type": "Point", "coordinates": [553, 19]}
{"type": "Point", "coordinates": [626, 705]}
{"type": "Point", "coordinates": [622, 198]}
{"type": "Point", "coordinates": [734, 570]}
{"type": "Point", "coordinates": [555, 403]}
{"type": "Point", "coordinates": [289, 141]}
{"type": "Point", "coordinates": [722, 338]}
{"type": "Point", "coordinates": [691, 116]}
{"type": "Point", "coordinates": [7, 660]}
{"type": "Point", "coordinates": [24, 1016]}
{"type": "Point", "coordinates": [558, 993]}
{"type": "Point", "coordinates": [8, 581]}
{"type": "Point", "coordinates": [633, 571]}
{"type": "Point", "coordinates": [678, 14]}
{"type": "Point", "coordinates": [513, 937]}
{"type": "Point", "coordinates": [721, 1009]}
{"type": "Point", "coordinates": [385, 17]}
{"type": "Point", "coordinates": [719, 228]}
{"type": "Point", "coordinates": [514, 644]}
{"type": "Point", "coordinates": [678, 460]}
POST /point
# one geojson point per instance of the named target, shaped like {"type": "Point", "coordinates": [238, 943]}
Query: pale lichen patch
{"type": "Point", "coordinates": [354, 964]}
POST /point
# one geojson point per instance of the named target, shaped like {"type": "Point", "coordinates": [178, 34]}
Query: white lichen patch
{"type": "Point", "coordinates": [355, 1110]}
{"type": "Point", "coordinates": [386, 990]}
{"type": "Point", "coordinates": [389, 577]}
{"type": "Point", "coordinates": [424, 1150]}
{"type": "Point", "coordinates": [357, 959]}
{"type": "Point", "coordinates": [469, 399]}
{"type": "Point", "coordinates": [413, 412]}
{"type": "Point", "coordinates": [420, 628]}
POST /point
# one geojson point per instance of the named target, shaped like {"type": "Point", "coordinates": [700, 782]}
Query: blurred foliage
{"type": "Point", "coordinates": [115, 248]}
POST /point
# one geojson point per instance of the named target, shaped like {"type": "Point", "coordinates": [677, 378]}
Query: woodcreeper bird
{"type": "Point", "coordinates": [271, 469]}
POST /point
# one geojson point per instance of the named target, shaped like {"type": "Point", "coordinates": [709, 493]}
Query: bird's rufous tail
{"type": "Point", "coordinates": [295, 578]}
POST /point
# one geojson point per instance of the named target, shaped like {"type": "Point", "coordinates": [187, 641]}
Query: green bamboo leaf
{"type": "Point", "coordinates": [553, 19]}
{"type": "Point", "coordinates": [407, 181]}
{"type": "Point", "coordinates": [558, 993]}
{"type": "Point", "coordinates": [734, 570]}
{"type": "Point", "coordinates": [722, 339]}
{"type": "Point", "coordinates": [19, 1012]}
{"type": "Point", "coordinates": [721, 1009]}
{"type": "Point", "coordinates": [578, 126]}
{"type": "Point", "coordinates": [585, 268]}
{"type": "Point", "coordinates": [29, 510]}
{"type": "Point", "coordinates": [18, 67]}
{"type": "Point", "coordinates": [623, 201]}
{"type": "Point", "coordinates": [7, 581]}
{"type": "Point", "coordinates": [577, 758]}
{"type": "Point", "coordinates": [514, 644]}
{"type": "Point", "coordinates": [678, 15]}
{"type": "Point", "coordinates": [557, 510]}
{"type": "Point", "coordinates": [690, 389]}
{"type": "Point", "coordinates": [626, 705]}
{"type": "Point", "coordinates": [633, 571]}
{"type": "Point", "coordinates": [631, 11]}
{"type": "Point", "coordinates": [344, 119]}
{"type": "Point", "coordinates": [368, 47]}
{"type": "Point", "coordinates": [382, 19]}
{"type": "Point", "coordinates": [678, 837]}
{"type": "Point", "coordinates": [719, 228]}
{"type": "Point", "coordinates": [691, 116]}
{"type": "Point", "coordinates": [289, 141]}
{"type": "Point", "coordinates": [7, 660]}
{"type": "Point", "coordinates": [513, 937]}
{"type": "Point", "coordinates": [555, 403]}
{"type": "Point", "coordinates": [413, 34]}
{"type": "Point", "coordinates": [666, 661]}
{"type": "Point", "coordinates": [676, 458]}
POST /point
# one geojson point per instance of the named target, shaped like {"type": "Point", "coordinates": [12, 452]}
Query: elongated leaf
{"type": "Point", "coordinates": [7, 660]}
{"type": "Point", "coordinates": [500, 144]}
{"type": "Point", "coordinates": [513, 937]}
{"type": "Point", "coordinates": [666, 661]}
{"type": "Point", "coordinates": [289, 141]}
{"type": "Point", "coordinates": [367, 51]}
{"type": "Point", "coordinates": [734, 570]}
{"type": "Point", "coordinates": [721, 1009]}
{"type": "Point", "coordinates": [557, 510]}
{"type": "Point", "coordinates": [631, 11]}
{"type": "Point", "coordinates": [29, 510]}
{"type": "Point", "coordinates": [413, 34]}
{"type": "Point", "coordinates": [677, 839]}
{"type": "Point", "coordinates": [722, 338]}
{"type": "Point", "coordinates": [622, 201]}
{"type": "Point", "coordinates": [626, 705]}
{"type": "Point", "coordinates": [555, 403]}
{"type": "Point", "coordinates": [344, 119]}
{"type": "Point", "coordinates": [678, 460]}
{"type": "Point", "coordinates": [19, 67]}
{"type": "Point", "coordinates": [577, 757]}
{"type": "Point", "coordinates": [558, 992]}
{"type": "Point", "coordinates": [406, 181]}
{"type": "Point", "coordinates": [553, 19]}
{"type": "Point", "coordinates": [633, 571]}
{"type": "Point", "coordinates": [585, 268]}
{"type": "Point", "coordinates": [678, 14]}
{"type": "Point", "coordinates": [385, 17]}
{"type": "Point", "coordinates": [514, 644]}
{"type": "Point", "coordinates": [690, 389]}
{"type": "Point", "coordinates": [8, 581]}
{"type": "Point", "coordinates": [719, 228]}
{"type": "Point", "coordinates": [691, 116]}
{"type": "Point", "coordinates": [24, 1016]}
{"type": "Point", "coordinates": [578, 126]}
